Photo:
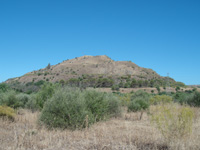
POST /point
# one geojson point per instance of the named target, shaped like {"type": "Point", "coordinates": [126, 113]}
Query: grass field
{"type": "Point", "coordinates": [123, 133]}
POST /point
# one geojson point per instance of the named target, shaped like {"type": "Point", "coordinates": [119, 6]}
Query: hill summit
{"type": "Point", "coordinates": [93, 71]}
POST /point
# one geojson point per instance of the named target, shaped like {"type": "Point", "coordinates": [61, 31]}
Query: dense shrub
{"type": "Point", "coordinates": [139, 102]}
{"type": "Point", "coordinates": [3, 87]}
{"type": "Point", "coordinates": [183, 97]}
{"type": "Point", "coordinates": [22, 99]}
{"type": "Point", "coordinates": [14, 100]}
{"type": "Point", "coordinates": [66, 109]}
{"type": "Point", "coordinates": [45, 93]}
{"type": "Point", "coordinates": [32, 103]}
{"type": "Point", "coordinates": [9, 99]}
{"type": "Point", "coordinates": [73, 109]}
{"type": "Point", "coordinates": [173, 121]}
{"type": "Point", "coordinates": [195, 100]}
{"type": "Point", "coordinates": [7, 112]}
{"type": "Point", "coordinates": [101, 105]}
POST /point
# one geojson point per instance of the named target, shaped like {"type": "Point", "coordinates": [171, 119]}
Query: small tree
{"type": "Point", "coordinates": [139, 102]}
{"type": "Point", "coordinates": [115, 88]}
{"type": "Point", "coordinates": [177, 88]}
{"type": "Point", "coordinates": [48, 66]}
{"type": "Point", "coordinates": [158, 89]}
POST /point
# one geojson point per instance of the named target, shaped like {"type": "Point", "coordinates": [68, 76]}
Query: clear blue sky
{"type": "Point", "coordinates": [160, 34]}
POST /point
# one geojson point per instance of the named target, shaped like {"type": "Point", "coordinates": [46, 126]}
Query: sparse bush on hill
{"type": "Point", "coordinates": [115, 88]}
{"type": "Point", "coordinates": [73, 109]}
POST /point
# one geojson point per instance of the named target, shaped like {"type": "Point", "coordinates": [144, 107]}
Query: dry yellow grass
{"type": "Point", "coordinates": [125, 133]}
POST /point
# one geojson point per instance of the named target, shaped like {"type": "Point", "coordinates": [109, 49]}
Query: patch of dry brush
{"type": "Point", "coordinates": [125, 133]}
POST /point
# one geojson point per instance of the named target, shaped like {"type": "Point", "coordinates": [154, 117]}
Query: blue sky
{"type": "Point", "coordinates": [163, 35]}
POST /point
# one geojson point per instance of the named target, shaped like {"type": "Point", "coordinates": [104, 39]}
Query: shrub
{"type": "Point", "coordinates": [101, 105]}
{"type": "Point", "coordinates": [10, 99]}
{"type": "Point", "coordinates": [14, 100]}
{"type": "Point", "coordinates": [115, 88]}
{"type": "Point", "coordinates": [139, 102]}
{"type": "Point", "coordinates": [183, 98]}
{"type": "Point", "coordinates": [66, 109]}
{"type": "Point", "coordinates": [22, 99]}
{"type": "Point", "coordinates": [45, 93]}
{"type": "Point", "coordinates": [3, 87]}
{"type": "Point", "coordinates": [160, 99]}
{"type": "Point", "coordinates": [114, 105]}
{"type": "Point", "coordinates": [158, 89]}
{"type": "Point", "coordinates": [7, 112]}
{"type": "Point", "coordinates": [195, 100]}
{"type": "Point", "coordinates": [32, 103]}
{"type": "Point", "coordinates": [125, 98]}
{"type": "Point", "coordinates": [70, 108]}
{"type": "Point", "coordinates": [173, 121]}
{"type": "Point", "coordinates": [140, 93]}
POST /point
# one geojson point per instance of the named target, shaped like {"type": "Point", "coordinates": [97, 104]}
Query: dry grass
{"type": "Point", "coordinates": [125, 133]}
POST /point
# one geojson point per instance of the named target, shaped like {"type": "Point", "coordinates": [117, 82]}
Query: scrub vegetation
{"type": "Point", "coordinates": [57, 116]}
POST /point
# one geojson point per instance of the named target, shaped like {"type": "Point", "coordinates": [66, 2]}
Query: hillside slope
{"type": "Point", "coordinates": [92, 70]}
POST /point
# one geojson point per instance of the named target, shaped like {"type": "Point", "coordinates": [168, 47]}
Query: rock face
{"type": "Point", "coordinates": [94, 66]}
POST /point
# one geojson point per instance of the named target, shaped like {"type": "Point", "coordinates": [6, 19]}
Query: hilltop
{"type": "Point", "coordinates": [95, 71]}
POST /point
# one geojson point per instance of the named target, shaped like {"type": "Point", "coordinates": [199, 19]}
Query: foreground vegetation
{"type": "Point", "coordinates": [60, 117]}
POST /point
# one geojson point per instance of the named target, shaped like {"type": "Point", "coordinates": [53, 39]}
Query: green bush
{"type": "Point", "coordinates": [14, 100]}
{"type": "Point", "coordinates": [183, 97]}
{"type": "Point", "coordinates": [44, 94]}
{"type": "Point", "coordinates": [139, 102]}
{"type": "Point", "coordinates": [70, 108]}
{"type": "Point", "coordinates": [195, 100]}
{"type": "Point", "coordinates": [32, 103]}
{"type": "Point", "coordinates": [115, 88]}
{"type": "Point", "coordinates": [10, 99]}
{"type": "Point", "coordinates": [22, 99]}
{"type": "Point", "coordinates": [66, 109]}
{"type": "Point", "coordinates": [3, 87]}
{"type": "Point", "coordinates": [101, 105]}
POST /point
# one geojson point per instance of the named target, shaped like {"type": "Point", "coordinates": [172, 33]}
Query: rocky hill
{"type": "Point", "coordinates": [93, 69]}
